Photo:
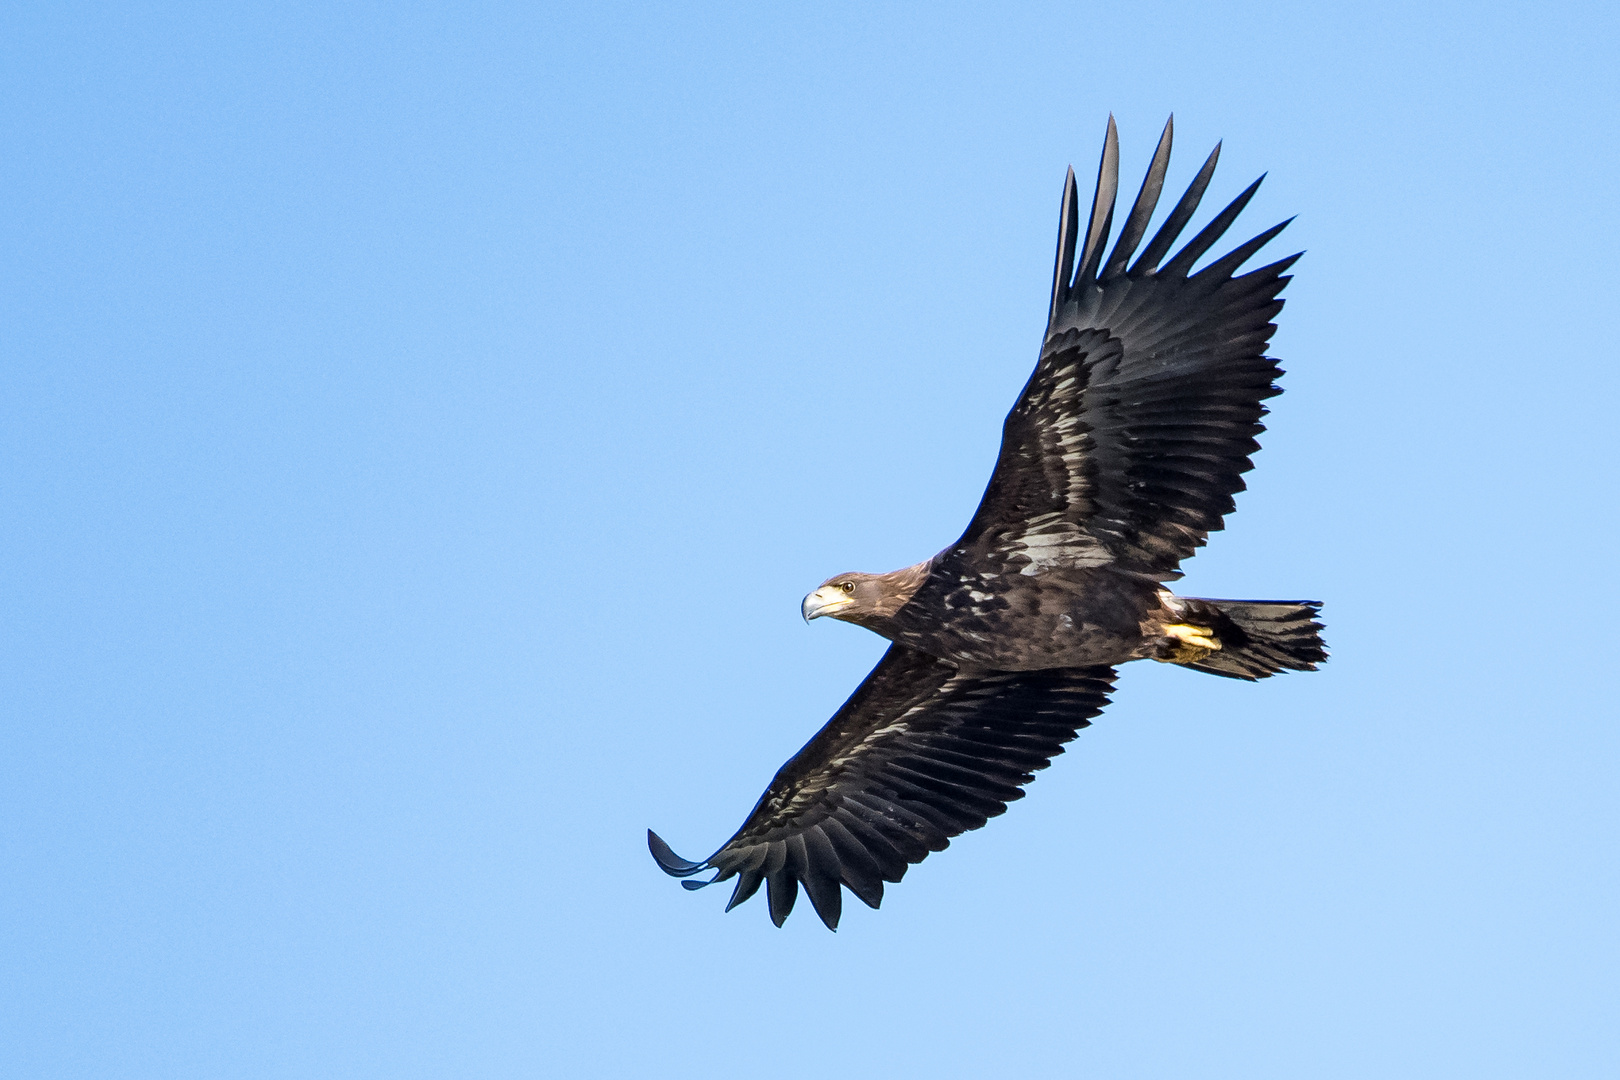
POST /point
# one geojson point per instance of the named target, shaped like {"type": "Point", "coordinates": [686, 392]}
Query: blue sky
{"type": "Point", "coordinates": [418, 424]}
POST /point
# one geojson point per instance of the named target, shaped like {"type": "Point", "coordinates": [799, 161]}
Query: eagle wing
{"type": "Point", "coordinates": [1131, 437]}
{"type": "Point", "coordinates": [921, 752]}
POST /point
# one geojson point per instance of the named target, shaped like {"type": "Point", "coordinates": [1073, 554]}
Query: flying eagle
{"type": "Point", "coordinates": [1118, 460]}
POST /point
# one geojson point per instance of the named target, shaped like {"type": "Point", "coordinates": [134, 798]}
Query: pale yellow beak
{"type": "Point", "coordinates": [824, 601]}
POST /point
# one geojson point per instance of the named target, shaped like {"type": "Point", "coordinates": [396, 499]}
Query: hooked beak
{"type": "Point", "coordinates": [824, 601]}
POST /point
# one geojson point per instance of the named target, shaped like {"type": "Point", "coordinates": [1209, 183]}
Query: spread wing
{"type": "Point", "coordinates": [1132, 435]}
{"type": "Point", "coordinates": [921, 752]}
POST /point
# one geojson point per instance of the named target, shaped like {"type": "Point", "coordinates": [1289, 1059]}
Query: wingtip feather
{"type": "Point", "coordinates": [748, 883]}
{"type": "Point", "coordinates": [669, 862]}
{"type": "Point", "coordinates": [1227, 264]}
{"type": "Point", "coordinates": [826, 898]}
{"type": "Point", "coordinates": [1068, 233]}
{"type": "Point", "coordinates": [1209, 234]}
{"type": "Point", "coordinates": [781, 890]}
{"type": "Point", "coordinates": [1147, 200]}
{"type": "Point", "coordinates": [1162, 240]}
{"type": "Point", "coordinates": [1102, 207]}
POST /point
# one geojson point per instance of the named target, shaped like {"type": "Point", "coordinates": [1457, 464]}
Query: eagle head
{"type": "Point", "coordinates": [842, 596]}
{"type": "Point", "coordinates": [864, 599]}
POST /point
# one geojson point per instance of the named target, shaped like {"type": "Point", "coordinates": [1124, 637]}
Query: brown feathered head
{"type": "Point", "coordinates": [864, 599]}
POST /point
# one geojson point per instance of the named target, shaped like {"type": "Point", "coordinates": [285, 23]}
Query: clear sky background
{"type": "Point", "coordinates": [420, 423]}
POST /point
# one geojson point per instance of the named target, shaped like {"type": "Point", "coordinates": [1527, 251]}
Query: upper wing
{"type": "Point", "coordinates": [919, 753]}
{"type": "Point", "coordinates": [1131, 436]}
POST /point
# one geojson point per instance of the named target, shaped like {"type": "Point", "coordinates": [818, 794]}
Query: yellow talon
{"type": "Point", "coordinates": [1195, 642]}
{"type": "Point", "coordinates": [1196, 636]}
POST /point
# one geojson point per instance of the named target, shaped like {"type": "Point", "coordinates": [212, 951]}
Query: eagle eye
{"type": "Point", "coordinates": [847, 586]}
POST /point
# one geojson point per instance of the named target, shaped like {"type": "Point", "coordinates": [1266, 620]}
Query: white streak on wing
{"type": "Point", "coordinates": [1051, 543]}
{"type": "Point", "coordinates": [898, 727]}
{"type": "Point", "coordinates": [1055, 541]}
{"type": "Point", "coordinates": [870, 742]}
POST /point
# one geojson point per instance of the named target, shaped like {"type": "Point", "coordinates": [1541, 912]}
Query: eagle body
{"type": "Point", "coordinates": [981, 618]}
{"type": "Point", "coordinates": [1121, 455]}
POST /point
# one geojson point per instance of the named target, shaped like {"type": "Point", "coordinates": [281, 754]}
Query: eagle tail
{"type": "Point", "coordinates": [1245, 639]}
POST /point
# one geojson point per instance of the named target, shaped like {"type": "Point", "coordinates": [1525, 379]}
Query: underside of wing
{"type": "Point", "coordinates": [921, 752]}
{"type": "Point", "coordinates": [1132, 435]}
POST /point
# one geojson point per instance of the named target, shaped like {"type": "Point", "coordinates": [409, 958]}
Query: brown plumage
{"type": "Point", "coordinates": [1118, 460]}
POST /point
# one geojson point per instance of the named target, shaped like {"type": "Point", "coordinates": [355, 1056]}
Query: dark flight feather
{"type": "Point", "coordinates": [1102, 208]}
{"type": "Point", "coordinates": [1186, 206]}
{"type": "Point", "coordinates": [1146, 201]}
{"type": "Point", "coordinates": [1068, 233]}
{"type": "Point", "coordinates": [1178, 266]}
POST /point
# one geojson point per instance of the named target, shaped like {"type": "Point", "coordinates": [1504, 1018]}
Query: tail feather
{"type": "Point", "coordinates": [1257, 638]}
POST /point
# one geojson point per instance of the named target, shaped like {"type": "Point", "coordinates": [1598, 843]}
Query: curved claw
{"type": "Point", "coordinates": [669, 862]}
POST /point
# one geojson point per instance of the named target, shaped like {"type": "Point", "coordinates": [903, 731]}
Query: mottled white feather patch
{"type": "Point", "coordinates": [1049, 542]}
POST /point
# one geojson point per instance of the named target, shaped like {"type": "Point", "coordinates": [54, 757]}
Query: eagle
{"type": "Point", "coordinates": [1119, 458]}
